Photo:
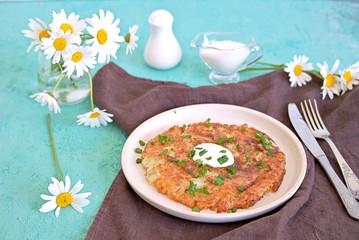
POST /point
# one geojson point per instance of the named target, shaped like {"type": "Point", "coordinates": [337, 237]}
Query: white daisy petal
{"type": "Point", "coordinates": [62, 197]}
{"type": "Point", "coordinates": [45, 98]}
{"type": "Point", "coordinates": [57, 211]}
{"type": "Point", "coordinates": [296, 68]}
{"type": "Point", "coordinates": [77, 188]}
{"type": "Point", "coordinates": [67, 183]}
{"type": "Point", "coordinates": [48, 206]}
{"type": "Point", "coordinates": [53, 189]}
{"type": "Point", "coordinates": [77, 207]}
{"type": "Point", "coordinates": [81, 202]}
{"type": "Point", "coordinates": [47, 197]}
{"type": "Point", "coordinates": [332, 84]}
{"type": "Point", "coordinates": [82, 195]}
{"type": "Point", "coordinates": [105, 35]}
{"type": "Point", "coordinates": [95, 118]}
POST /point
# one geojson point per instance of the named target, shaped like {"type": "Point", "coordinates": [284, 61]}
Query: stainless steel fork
{"type": "Point", "coordinates": [316, 125]}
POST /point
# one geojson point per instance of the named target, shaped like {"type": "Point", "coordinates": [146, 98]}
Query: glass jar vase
{"type": "Point", "coordinates": [71, 90]}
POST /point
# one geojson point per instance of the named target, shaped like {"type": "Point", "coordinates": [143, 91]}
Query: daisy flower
{"type": "Point", "coordinates": [105, 33]}
{"type": "Point", "coordinates": [79, 59]}
{"type": "Point", "coordinates": [70, 23]}
{"type": "Point", "coordinates": [46, 98]}
{"type": "Point", "coordinates": [63, 196]}
{"type": "Point", "coordinates": [59, 44]}
{"type": "Point", "coordinates": [39, 30]}
{"type": "Point", "coordinates": [296, 70]}
{"type": "Point", "coordinates": [95, 118]}
{"type": "Point", "coordinates": [331, 83]}
{"type": "Point", "coordinates": [350, 76]}
{"type": "Point", "coordinates": [131, 39]}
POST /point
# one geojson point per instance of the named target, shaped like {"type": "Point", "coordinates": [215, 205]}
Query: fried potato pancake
{"type": "Point", "coordinates": [258, 169]}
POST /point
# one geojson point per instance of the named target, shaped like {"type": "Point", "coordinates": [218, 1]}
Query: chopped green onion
{"type": "Point", "coordinates": [138, 160]}
{"type": "Point", "coordinates": [182, 163]}
{"type": "Point", "coordinates": [204, 151]}
{"type": "Point", "coordinates": [219, 180]}
{"type": "Point", "coordinates": [270, 153]}
{"type": "Point", "coordinates": [171, 139]}
{"type": "Point", "coordinates": [230, 140]}
{"type": "Point", "coordinates": [230, 176]}
{"type": "Point", "coordinates": [198, 162]}
{"type": "Point", "coordinates": [234, 210]}
{"type": "Point", "coordinates": [190, 170]}
{"type": "Point", "coordinates": [202, 171]}
{"type": "Point", "coordinates": [248, 149]}
{"type": "Point", "coordinates": [243, 129]}
{"type": "Point", "coordinates": [164, 152]}
{"type": "Point", "coordinates": [241, 188]}
{"type": "Point", "coordinates": [208, 158]}
{"type": "Point", "coordinates": [183, 127]}
{"type": "Point", "coordinates": [238, 146]}
{"type": "Point", "coordinates": [220, 140]}
{"type": "Point", "coordinates": [260, 164]}
{"type": "Point", "coordinates": [162, 139]}
{"type": "Point", "coordinates": [138, 150]}
{"type": "Point", "coordinates": [192, 188]}
{"type": "Point", "coordinates": [142, 143]}
{"type": "Point", "coordinates": [248, 159]}
{"type": "Point", "coordinates": [195, 209]}
{"type": "Point", "coordinates": [172, 159]}
{"type": "Point", "coordinates": [222, 159]}
{"type": "Point", "coordinates": [152, 143]}
{"type": "Point", "coordinates": [222, 151]}
{"type": "Point", "coordinates": [203, 190]}
{"type": "Point", "coordinates": [191, 153]}
{"type": "Point", "coordinates": [208, 123]}
{"type": "Point", "coordinates": [186, 136]}
{"type": "Point", "coordinates": [258, 134]}
{"type": "Point", "coordinates": [232, 169]}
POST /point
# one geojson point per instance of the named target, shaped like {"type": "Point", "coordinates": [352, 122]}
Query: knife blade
{"type": "Point", "coordinates": [350, 203]}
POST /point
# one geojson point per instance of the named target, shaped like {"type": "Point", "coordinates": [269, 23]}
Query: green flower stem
{"type": "Point", "coordinates": [53, 146]}
{"type": "Point", "coordinates": [91, 92]}
{"type": "Point", "coordinates": [271, 64]}
{"type": "Point", "coordinates": [60, 79]}
{"type": "Point", "coordinates": [258, 69]}
{"type": "Point", "coordinates": [315, 73]}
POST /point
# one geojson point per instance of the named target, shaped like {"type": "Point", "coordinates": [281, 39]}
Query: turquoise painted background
{"type": "Point", "coordinates": [322, 30]}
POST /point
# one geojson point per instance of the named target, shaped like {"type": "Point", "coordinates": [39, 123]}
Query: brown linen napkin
{"type": "Point", "coordinates": [314, 212]}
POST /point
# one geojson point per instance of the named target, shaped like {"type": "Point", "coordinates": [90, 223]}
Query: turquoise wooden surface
{"type": "Point", "coordinates": [322, 30]}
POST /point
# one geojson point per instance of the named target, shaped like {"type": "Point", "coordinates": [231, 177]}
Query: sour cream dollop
{"type": "Point", "coordinates": [213, 155]}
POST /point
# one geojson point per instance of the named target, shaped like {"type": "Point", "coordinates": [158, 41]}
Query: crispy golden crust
{"type": "Point", "coordinates": [259, 166]}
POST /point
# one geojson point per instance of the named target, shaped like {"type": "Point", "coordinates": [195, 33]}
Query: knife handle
{"type": "Point", "coordinates": [350, 203]}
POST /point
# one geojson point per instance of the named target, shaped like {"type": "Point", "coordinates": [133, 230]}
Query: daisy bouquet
{"type": "Point", "coordinates": [73, 50]}
{"type": "Point", "coordinates": [300, 70]}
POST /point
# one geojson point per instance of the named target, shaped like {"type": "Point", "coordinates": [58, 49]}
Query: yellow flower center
{"type": "Point", "coordinates": [66, 27]}
{"type": "Point", "coordinates": [298, 70]}
{"type": "Point", "coordinates": [102, 36]}
{"type": "Point", "coordinates": [44, 34]}
{"type": "Point", "coordinates": [347, 76]}
{"type": "Point", "coordinates": [60, 44]}
{"type": "Point", "coordinates": [76, 57]}
{"type": "Point", "coordinates": [94, 115]}
{"type": "Point", "coordinates": [64, 199]}
{"type": "Point", "coordinates": [330, 80]}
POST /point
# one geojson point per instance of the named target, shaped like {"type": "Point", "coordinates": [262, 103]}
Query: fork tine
{"type": "Point", "coordinates": [314, 114]}
{"type": "Point", "coordinates": [319, 117]}
{"type": "Point", "coordinates": [311, 121]}
{"type": "Point", "coordinates": [305, 115]}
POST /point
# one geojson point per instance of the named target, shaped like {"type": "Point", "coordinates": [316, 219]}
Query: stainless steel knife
{"type": "Point", "coordinates": [350, 203]}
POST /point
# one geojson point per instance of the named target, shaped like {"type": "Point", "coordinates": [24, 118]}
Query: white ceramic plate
{"type": "Point", "coordinates": [296, 162]}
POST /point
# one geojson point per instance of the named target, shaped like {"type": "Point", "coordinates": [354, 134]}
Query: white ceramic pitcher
{"type": "Point", "coordinates": [162, 50]}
